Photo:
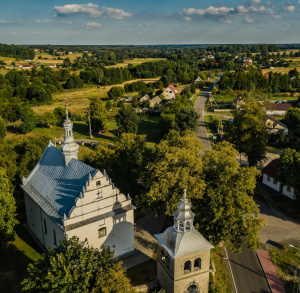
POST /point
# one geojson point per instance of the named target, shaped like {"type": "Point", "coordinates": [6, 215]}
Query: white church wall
{"type": "Point", "coordinates": [118, 233]}
{"type": "Point", "coordinates": [35, 221]}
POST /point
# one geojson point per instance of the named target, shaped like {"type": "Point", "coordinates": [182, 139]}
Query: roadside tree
{"type": "Point", "coordinates": [116, 92]}
{"type": "Point", "coordinates": [248, 131]}
{"type": "Point", "coordinates": [98, 114]}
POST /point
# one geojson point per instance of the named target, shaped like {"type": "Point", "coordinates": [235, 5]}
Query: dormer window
{"type": "Point", "coordinates": [98, 183]}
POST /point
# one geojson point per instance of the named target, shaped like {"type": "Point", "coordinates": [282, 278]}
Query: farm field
{"type": "Point", "coordinates": [135, 61]}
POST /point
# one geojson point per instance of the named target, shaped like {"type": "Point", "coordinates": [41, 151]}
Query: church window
{"type": "Point", "coordinates": [45, 227]}
{"type": "Point", "coordinates": [181, 227]}
{"type": "Point", "coordinates": [98, 183]}
{"type": "Point", "coordinates": [192, 288]}
{"type": "Point", "coordinates": [188, 226]}
{"type": "Point", "coordinates": [54, 237]}
{"type": "Point", "coordinates": [163, 257]}
{"type": "Point", "coordinates": [101, 232]}
{"type": "Point", "coordinates": [187, 267]}
{"type": "Point", "coordinates": [197, 263]}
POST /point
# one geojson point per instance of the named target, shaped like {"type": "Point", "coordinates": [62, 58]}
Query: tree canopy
{"type": "Point", "coordinates": [127, 119]}
{"type": "Point", "coordinates": [7, 210]}
{"type": "Point", "coordinates": [292, 118]}
{"type": "Point", "coordinates": [74, 267]}
{"type": "Point", "coordinates": [219, 189]}
{"type": "Point", "coordinates": [98, 114]}
{"type": "Point", "coordinates": [249, 131]}
{"type": "Point", "coordinates": [2, 129]}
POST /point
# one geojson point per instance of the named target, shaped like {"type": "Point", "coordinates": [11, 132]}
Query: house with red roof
{"type": "Point", "coordinates": [269, 174]}
{"type": "Point", "coordinates": [170, 92]}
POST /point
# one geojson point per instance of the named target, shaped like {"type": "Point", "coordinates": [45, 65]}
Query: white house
{"type": "Point", "coordinates": [275, 126]}
{"type": "Point", "coordinates": [277, 109]}
{"type": "Point", "coordinates": [269, 178]}
{"type": "Point", "coordinates": [65, 197]}
{"type": "Point", "coordinates": [170, 92]}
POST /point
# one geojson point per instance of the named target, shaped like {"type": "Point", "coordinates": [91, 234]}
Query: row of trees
{"type": "Point", "coordinates": [254, 79]}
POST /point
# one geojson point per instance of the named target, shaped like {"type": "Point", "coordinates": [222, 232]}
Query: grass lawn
{"type": "Point", "coordinates": [286, 261]}
{"type": "Point", "coordinates": [221, 280]}
{"type": "Point", "coordinates": [15, 259]}
{"type": "Point", "coordinates": [143, 273]}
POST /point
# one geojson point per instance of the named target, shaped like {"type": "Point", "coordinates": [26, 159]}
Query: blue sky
{"type": "Point", "coordinates": [112, 22]}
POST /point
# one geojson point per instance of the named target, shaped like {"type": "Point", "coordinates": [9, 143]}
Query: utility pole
{"type": "Point", "coordinates": [90, 125]}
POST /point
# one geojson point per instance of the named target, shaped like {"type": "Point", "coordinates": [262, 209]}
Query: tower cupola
{"type": "Point", "coordinates": [69, 148]}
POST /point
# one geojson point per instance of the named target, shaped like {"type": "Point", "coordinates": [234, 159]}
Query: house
{"type": "Point", "coordinates": [143, 99]}
{"type": "Point", "coordinates": [269, 174]}
{"type": "Point", "coordinates": [154, 101]}
{"type": "Point", "coordinates": [52, 65]}
{"type": "Point", "coordinates": [237, 102]}
{"type": "Point", "coordinates": [277, 109]}
{"type": "Point", "coordinates": [66, 197]}
{"type": "Point", "coordinates": [275, 126]}
{"type": "Point", "coordinates": [247, 60]}
{"type": "Point", "coordinates": [170, 92]}
{"type": "Point", "coordinates": [198, 79]}
{"type": "Point", "coordinates": [210, 57]}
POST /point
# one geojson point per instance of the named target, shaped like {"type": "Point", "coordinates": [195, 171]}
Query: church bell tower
{"type": "Point", "coordinates": [183, 254]}
{"type": "Point", "coordinates": [69, 148]}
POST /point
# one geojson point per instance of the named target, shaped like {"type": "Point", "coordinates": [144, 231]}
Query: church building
{"type": "Point", "coordinates": [183, 254]}
{"type": "Point", "coordinates": [65, 197]}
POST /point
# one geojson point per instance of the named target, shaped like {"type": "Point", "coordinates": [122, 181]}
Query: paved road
{"type": "Point", "coordinates": [199, 107]}
{"type": "Point", "coordinates": [248, 274]}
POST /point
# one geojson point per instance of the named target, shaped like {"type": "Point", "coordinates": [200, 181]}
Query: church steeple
{"type": "Point", "coordinates": [69, 148]}
{"type": "Point", "coordinates": [183, 217]}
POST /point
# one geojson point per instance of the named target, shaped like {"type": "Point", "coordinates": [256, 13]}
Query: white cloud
{"type": "Point", "coordinates": [249, 19]}
{"type": "Point", "coordinates": [289, 8]}
{"type": "Point", "coordinates": [38, 33]}
{"type": "Point", "coordinates": [91, 10]}
{"type": "Point", "coordinates": [276, 16]}
{"type": "Point", "coordinates": [5, 21]}
{"type": "Point", "coordinates": [187, 18]}
{"type": "Point", "coordinates": [90, 25]}
{"type": "Point", "coordinates": [44, 21]}
{"type": "Point", "coordinates": [259, 9]}
{"type": "Point", "coordinates": [65, 22]}
{"type": "Point", "coordinates": [12, 34]}
{"type": "Point", "coordinates": [255, 1]}
{"type": "Point", "coordinates": [298, 1]}
{"type": "Point", "coordinates": [75, 33]}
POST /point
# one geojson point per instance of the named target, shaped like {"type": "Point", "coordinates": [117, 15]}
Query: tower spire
{"type": "Point", "coordinates": [69, 148]}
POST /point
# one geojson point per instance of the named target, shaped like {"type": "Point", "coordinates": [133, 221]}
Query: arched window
{"type": "Point", "coordinates": [188, 226]}
{"type": "Point", "coordinates": [197, 263]}
{"type": "Point", "coordinates": [192, 288]}
{"type": "Point", "coordinates": [187, 267]}
{"type": "Point", "coordinates": [54, 237]}
{"type": "Point", "coordinates": [45, 227]}
{"type": "Point", "coordinates": [181, 226]}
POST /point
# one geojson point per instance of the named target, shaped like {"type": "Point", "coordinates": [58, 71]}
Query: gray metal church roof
{"type": "Point", "coordinates": [55, 186]}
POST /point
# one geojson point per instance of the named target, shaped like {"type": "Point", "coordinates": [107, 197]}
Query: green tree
{"type": "Point", "coordinates": [27, 116]}
{"type": "Point", "coordinates": [227, 211]}
{"type": "Point", "coordinates": [116, 92]}
{"type": "Point", "coordinates": [187, 119]}
{"type": "Point", "coordinates": [177, 165]}
{"type": "Point", "coordinates": [2, 130]}
{"type": "Point", "coordinates": [292, 118]}
{"type": "Point", "coordinates": [249, 131]}
{"type": "Point", "coordinates": [75, 267]}
{"type": "Point", "coordinates": [7, 210]}
{"type": "Point", "coordinates": [127, 120]}
{"type": "Point", "coordinates": [98, 114]}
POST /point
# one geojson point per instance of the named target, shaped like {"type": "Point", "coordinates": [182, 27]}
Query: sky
{"type": "Point", "coordinates": [152, 22]}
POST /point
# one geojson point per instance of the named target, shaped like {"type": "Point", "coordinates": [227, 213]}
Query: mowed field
{"type": "Point", "coordinates": [79, 99]}
{"type": "Point", "coordinates": [135, 61]}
